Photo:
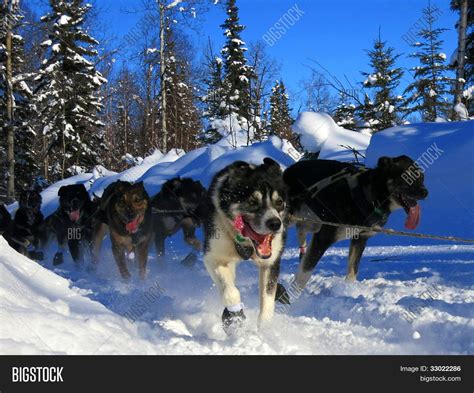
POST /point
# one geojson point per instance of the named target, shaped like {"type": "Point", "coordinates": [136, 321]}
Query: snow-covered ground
{"type": "Point", "coordinates": [409, 300]}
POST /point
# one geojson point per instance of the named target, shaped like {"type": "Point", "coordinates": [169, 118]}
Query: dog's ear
{"type": "Point", "coordinates": [384, 162]}
{"type": "Point", "coordinates": [239, 167]}
{"type": "Point", "coordinates": [62, 190]}
{"type": "Point", "coordinates": [271, 166]}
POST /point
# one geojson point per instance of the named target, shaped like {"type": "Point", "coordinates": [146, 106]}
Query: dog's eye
{"type": "Point", "coordinates": [279, 203]}
{"type": "Point", "coordinates": [253, 202]}
{"type": "Point", "coordinates": [136, 198]}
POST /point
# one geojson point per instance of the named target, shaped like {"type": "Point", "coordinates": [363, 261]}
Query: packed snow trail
{"type": "Point", "coordinates": [409, 300]}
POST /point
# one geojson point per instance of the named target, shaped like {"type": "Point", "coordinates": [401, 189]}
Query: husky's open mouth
{"type": "Point", "coordinates": [75, 215]}
{"type": "Point", "coordinates": [261, 243]}
{"type": "Point", "coordinates": [413, 210]}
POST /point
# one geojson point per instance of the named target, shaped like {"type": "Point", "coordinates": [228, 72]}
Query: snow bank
{"type": "Point", "coordinates": [319, 133]}
{"type": "Point", "coordinates": [445, 152]}
{"type": "Point", "coordinates": [41, 314]}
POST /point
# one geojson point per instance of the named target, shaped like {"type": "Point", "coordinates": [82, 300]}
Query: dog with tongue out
{"type": "Point", "coordinates": [125, 210]}
{"type": "Point", "coordinates": [247, 219]}
{"type": "Point", "coordinates": [333, 191]}
{"type": "Point", "coordinates": [72, 222]}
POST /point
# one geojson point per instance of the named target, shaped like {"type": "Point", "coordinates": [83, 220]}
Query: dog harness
{"type": "Point", "coordinates": [350, 175]}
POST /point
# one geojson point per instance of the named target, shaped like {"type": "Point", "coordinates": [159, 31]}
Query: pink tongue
{"type": "Point", "coordinates": [132, 226]}
{"type": "Point", "coordinates": [74, 215]}
{"type": "Point", "coordinates": [413, 218]}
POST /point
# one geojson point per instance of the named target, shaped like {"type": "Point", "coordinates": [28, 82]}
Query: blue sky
{"type": "Point", "coordinates": [334, 33]}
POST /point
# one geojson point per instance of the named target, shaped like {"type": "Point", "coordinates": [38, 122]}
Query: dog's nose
{"type": "Point", "coordinates": [424, 193]}
{"type": "Point", "coordinates": [273, 224]}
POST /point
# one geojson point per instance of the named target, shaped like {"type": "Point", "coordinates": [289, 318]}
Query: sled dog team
{"type": "Point", "coordinates": [245, 214]}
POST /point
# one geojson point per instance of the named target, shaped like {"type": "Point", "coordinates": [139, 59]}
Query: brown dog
{"type": "Point", "coordinates": [125, 208]}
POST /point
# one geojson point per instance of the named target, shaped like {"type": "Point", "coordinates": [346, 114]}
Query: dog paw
{"type": "Point", "coordinates": [190, 260]}
{"type": "Point", "coordinates": [58, 259]}
{"type": "Point", "coordinates": [125, 275]}
{"type": "Point", "coordinates": [281, 295]}
{"type": "Point", "coordinates": [232, 321]}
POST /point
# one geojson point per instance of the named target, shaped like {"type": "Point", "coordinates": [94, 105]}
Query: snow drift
{"type": "Point", "coordinates": [444, 151]}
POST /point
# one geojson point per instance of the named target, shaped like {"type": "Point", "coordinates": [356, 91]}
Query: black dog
{"type": "Point", "coordinates": [179, 205]}
{"type": "Point", "coordinates": [351, 195]}
{"type": "Point", "coordinates": [26, 228]}
{"type": "Point", "coordinates": [73, 222]}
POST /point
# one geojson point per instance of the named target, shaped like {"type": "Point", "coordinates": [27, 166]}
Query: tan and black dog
{"type": "Point", "coordinates": [126, 210]}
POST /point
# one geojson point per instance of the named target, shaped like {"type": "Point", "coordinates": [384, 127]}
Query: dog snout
{"type": "Point", "coordinates": [424, 193]}
{"type": "Point", "coordinates": [274, 224]}
{"type": "Point", "coordinates": [75, 203]}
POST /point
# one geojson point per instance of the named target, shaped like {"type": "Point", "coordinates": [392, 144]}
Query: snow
{"type": "Point", "coordinates": [462, 111]}
{"type": "Point", "coordinates": [444, 152]}
{"type": "Point", "coordinates": [319, 132]}
{"type": "Point", "coordinates": [413, 297]}
{"type": "Point", "coordinates": [64, 20]}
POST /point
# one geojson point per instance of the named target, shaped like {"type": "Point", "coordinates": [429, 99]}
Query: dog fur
{"type": "Point", "coordinates": [27, 227]}
{"type": "Point", "coordinates": [256, 194]}
{"type": "Point", "coordinates": [125, 209]}
{"type": "Point", "coordinates": [384, 188]}
{"type": "Point", "coordinates": [72, 223]}
{"type": "Point", "coordinates": [178, 194]}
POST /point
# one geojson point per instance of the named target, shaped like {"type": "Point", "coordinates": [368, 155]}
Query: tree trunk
{"type": "Point", "coordinates": [10, 129]}
{"type": "Point", "coordinates": [462, 27]}
{"type": "Point", "coordinates": [164, 130]}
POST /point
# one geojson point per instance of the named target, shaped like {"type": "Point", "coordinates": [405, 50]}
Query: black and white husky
{"type": "Point", "coordinates": [247, 220]}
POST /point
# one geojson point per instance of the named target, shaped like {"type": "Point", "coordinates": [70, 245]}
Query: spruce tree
{"type": "Point", "coordinates": [367, 116]}
{"type": "Point", "coordinates": [214, 99]}
{"type": "Point", "coordinates": [184, 123]}
{"type": "Point", "coordinates": [68, 91]}
{"type": "Point", "coordinates": [382, 82]}
{"type": "Point", "coordinates": [280, 117]}
{"type": "Point", "coordinates": [236, 70]}
{"type": "Point", "coordinates": [431, 87]}
{"type": "Point", "coordinates": [23, 109]}
{"type": "Point", "coordinates": [344, 114]}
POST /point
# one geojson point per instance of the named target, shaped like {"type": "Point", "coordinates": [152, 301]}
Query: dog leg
{"type": "Point", "coordinates": [302, 241]}
{"type": "Point", "coordinates": [118, 249]}
{"type": "Point", "coordinates": [223, 275]}
{"type": "Point", "coordinates": [320, 242]}
{"type": "Point", "coordinates": [189, 231]}
{"type": "Point", "coordinates": [142, 257]}
{"type": "Point", "coordinates": [59, 256]}
{"type": "Point", "coordinates": [75, 250]}
{"type": "Point", "coordinates": [355, 254]}
{"type": "Point", "coordinates": [99, 232]}
{"type": "Point", "coordinates": [268, 279]}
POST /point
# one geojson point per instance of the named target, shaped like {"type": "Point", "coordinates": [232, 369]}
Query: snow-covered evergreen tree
{"type": "Point", "coordinates": [184, 123]}
{"type": "Point", "coordinates": [345, 112]}
{"type": "Point", "coordinates": [381, 83]}
{"type": "Point", "coordinates": [23, 109]}
{"type": "Point", "coordinates": [429, 92]}
{"type": "Point", "coordinates": [280, 112]}
{"type": "Point", "coordinates": [366, 113]}
{"type": "Point", "coordinates": [68, 91]}
{"type": "Point", "coordinates": [214, 99]}
{"type": "Point", "coordinates": [237, 73]}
